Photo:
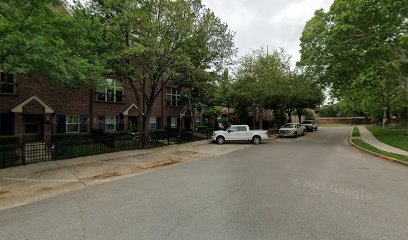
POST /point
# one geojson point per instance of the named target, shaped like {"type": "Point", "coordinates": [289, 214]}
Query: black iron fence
{"type": "Point", "coordinates": [71, 146]}
{"type": "Point", "coordinates": [10, 155]}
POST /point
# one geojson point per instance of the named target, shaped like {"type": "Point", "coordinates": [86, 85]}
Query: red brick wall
{"type": "Point", "coordinates": [33, 107]}
{"type": "Point", "coordinates": [62, 100]}
{"type": "Point", "coordinates": [74, 101]}
{"type": "Point", "coordinates": [343, 120]}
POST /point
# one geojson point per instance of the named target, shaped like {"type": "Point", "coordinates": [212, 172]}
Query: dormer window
{"type": "Point", "coordinates": [112, 91]}
{"type": "Point", "coordinates": [7, 85]}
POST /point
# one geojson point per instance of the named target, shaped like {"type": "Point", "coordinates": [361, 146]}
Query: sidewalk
{"type": "Point", "coordinates": [30, 183]}
{"type": "Point", "coordinates": [367, 137]}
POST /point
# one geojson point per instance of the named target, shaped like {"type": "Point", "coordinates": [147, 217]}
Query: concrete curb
{"type": "Point", "coordinates": [374, 153]}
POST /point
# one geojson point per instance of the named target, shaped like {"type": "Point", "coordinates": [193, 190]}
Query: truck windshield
{"type": "Point", "coordinates": [290, 125]}
{"type": "Point", "coordinates": [307, 122]}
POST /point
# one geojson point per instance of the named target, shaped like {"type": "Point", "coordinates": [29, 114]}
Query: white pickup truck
{"type": "Point", "coordinates": [292, 130]}
{"type": "Point", "coordinates": [310, 125]}
{"type": "Point", "coordinates": [239, 133]}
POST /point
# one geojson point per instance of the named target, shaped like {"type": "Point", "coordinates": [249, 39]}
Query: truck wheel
{"type": "Point", "coordinates": [303, 133]}
{"type": "Point", "coordinates": [256, 140]}
{"type": "Point", "coordinates": [295, 135]}
{"type": "Point", "coordinates": [220, 140]}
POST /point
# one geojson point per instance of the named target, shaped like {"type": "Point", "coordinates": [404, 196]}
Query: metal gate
{"type": "Point", "coordinates": [35, 152]}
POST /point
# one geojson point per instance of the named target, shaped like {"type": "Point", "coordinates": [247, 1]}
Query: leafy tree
{"type": "Point", "coordinates": [41, 37]}
{"type": "Point", "coordinates": [213, 113]}
{"type": "Point", "coordinates": [260, 80]}
{"type": "Point", "coordinates": [266, 80]}
{"type": "Point", "coordinates": [349, 49]}
{"type": "Point", "coordinates": [159, 43]}
{"type": "Point", "coordinates": [307, 95]}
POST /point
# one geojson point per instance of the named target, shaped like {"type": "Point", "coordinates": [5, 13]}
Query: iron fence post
{"type": "Point", "coordinates": [3, 162]}
{"type": "Point", "coordinates": [23, 160]}
{"type": "Point", "coordinates": [115, 148]}
{"type": "Point", "coordinates": [72, 150]}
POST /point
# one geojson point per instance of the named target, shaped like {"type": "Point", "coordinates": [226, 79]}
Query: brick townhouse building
{"type": "Point", "coordinates": [34, 108]}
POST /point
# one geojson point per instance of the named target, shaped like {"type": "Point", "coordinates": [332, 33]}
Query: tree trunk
{"type": "Point", "coordinates": [299, 113]}
{"type": "Point", "coordinates": [275, 116]}
{"type": "Point", "coordinates": [289, 111]}
{"type": "Point", "coordinates": [386, 116]}
{"type": "Point", "coordinates": [146, 121]}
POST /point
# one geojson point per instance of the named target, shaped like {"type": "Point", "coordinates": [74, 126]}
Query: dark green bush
{"type": "Point", "coordinates": [9, 140]}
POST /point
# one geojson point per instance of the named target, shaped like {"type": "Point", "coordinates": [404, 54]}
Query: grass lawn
{"type": "Point", "coordinates": [334, 124]}
{"type": "Point", "coordinates": [356, 132]}
{"type": "Point", "coordinates": [367, 146]}
{"type": "Point", "coordinates": [394, 136]}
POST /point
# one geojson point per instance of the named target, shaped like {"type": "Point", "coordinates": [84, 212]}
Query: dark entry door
{"type": "Point", "coordinates": [187, 122]}
{"type": "Point", "coordinates": [33, 128]}
{"type": "Point", "coordinates": [132, 124]}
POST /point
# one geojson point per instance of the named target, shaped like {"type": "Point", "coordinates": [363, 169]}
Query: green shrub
{"type": "Point", "coordinates": [203, 129]}
{"type": "Point", "coordinates": [72, 138]}
{"type": "Point", "coordinates": [158, 133]}
{"type": "Point", "coordinates": [9, 140]}
{"type": "Point", "coordinates": [308, 115]}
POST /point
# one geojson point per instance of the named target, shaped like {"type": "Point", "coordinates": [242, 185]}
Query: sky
{"type": "Point", "coordinates": [262, 23]}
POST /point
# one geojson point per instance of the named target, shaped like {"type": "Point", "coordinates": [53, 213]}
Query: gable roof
{"type": "Point", "coordinates": [19, 107]}
{"type": "Point", "coordinates": [126, 111]}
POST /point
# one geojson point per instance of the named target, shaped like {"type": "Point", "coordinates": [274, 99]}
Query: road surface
{"type": "Point", "coordinates": [312, 187]}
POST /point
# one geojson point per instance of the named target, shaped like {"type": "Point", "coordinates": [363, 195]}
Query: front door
{"type": "Point", "coordinates": [187, 122]}
{"type": "Point", "coordinates": [33, 128]}
{"type": "Point", "coordinates": [132, 124]}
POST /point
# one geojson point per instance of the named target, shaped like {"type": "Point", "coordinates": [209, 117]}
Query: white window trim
{"type": "Point", "coordinates": [66, 123]}
{"type": "Point", "coordinates": [175, 122]}
{"type": "Point", "coordinates": [170, 95]}
{"type": "Point", "coordinates": [114, 124]}
{"type": "Point", "coordinates": [115, 89]}
{"type": "Point", "coordinates": [155, 122]}
{"type": "Point", "coordinates": [198, 121]}
{"type": "Point", "coordinates": [14, 84]}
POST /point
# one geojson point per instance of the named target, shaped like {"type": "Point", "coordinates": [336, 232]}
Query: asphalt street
{"type": "Point", "coordinates": [311, 187]}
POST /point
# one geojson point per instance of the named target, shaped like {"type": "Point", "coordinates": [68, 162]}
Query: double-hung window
{"type": "Point", "coordinates": [152, 122]}
{"type": "Point", "coordinates": [7, 83]}
{"type": "Point", "coordinates": [72, 124]}
{"type": "Point", "coordinates": [173, 122]}
{"type": "Point", "coordinates": [110, 123]}
{"type": "Point", "coordinates": [173, 97]}
{"type": "Point", "coordinates": [112, 91]}
{"type": "Point", "coordinates": [198, 121]}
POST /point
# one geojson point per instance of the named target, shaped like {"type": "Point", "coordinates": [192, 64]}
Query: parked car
{"type": "Point", "coordinates": [310, 125]}
{"type": "Point", "coordinates": [239, 133]}
{"type": "Point", "coordinates": [292, 130]}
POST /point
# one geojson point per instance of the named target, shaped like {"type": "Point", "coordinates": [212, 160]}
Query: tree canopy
{"type": "Point", "coordinates": [266, 80]}
{"type": "Point", "coordinates": [351, 49]}
{"type": "Point", "coordinates": [159, 43]}
{"type": "Point", "coordinates": [41, 37]}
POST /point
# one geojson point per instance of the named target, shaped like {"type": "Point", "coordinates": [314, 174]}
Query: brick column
{"type": "Point", "coordinates": [18, 126]}
{"type": "Point", "coordinates": [126, 123]}
{"type": "Point", "coordinates": [47, 131]}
